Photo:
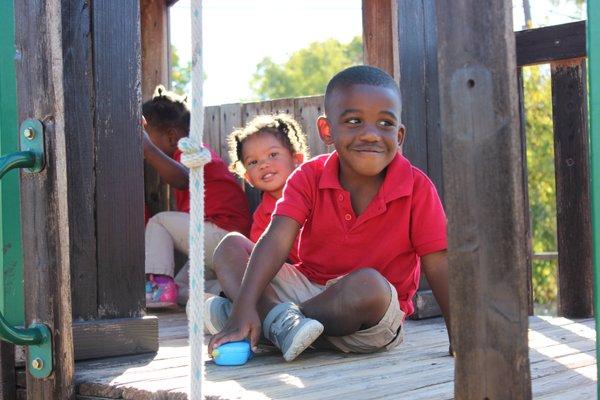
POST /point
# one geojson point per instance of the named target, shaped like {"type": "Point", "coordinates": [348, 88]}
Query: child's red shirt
{"type": "Point", "coordinates": [261, 219]}
{"type": "Point", "coordinates": [403, 222]}
{"type": "Point", "coordinates": [225, 203]}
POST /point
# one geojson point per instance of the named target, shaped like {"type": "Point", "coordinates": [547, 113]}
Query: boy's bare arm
{"type": "Point", "coordinates": [435, 266]}
{"type": "Point", "coordinates": [266, 260]}
{"type": "Point", "coordinates": [173, 173]}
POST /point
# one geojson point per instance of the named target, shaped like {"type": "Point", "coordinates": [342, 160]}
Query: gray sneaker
{"type": "Point", "coordinates": [290, 330]}
{"type": "Point", "coordinates": [216, 313]}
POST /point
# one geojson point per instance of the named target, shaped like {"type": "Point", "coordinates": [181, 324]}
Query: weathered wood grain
{"type": "Point", "coordinates": [484, 200]}
{"type": "Point", "coordinates": [552, 43]}
{"type": "Point", "coordinates": [119, 168]}
{"type": "Point", "coordinates": [380, 35]}
{"type": "Point", "coordinates": [573, 204]}
{"type": "Point", "coordinates": [44, 201]}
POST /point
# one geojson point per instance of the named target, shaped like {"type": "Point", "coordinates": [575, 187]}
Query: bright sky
{"type": "Point", "coordinates": [238, 34]}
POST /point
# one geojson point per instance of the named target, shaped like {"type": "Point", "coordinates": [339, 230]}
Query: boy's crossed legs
{"type": "Point", "coordinates": [360, 311]}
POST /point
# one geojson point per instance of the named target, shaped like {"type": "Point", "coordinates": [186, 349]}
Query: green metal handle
{"type": "Point", "coordinates": [38, 336]}
{"type": "Point", "coordinates": [20, 159]}
{"type": "Point", "coordinates": [22, 336]}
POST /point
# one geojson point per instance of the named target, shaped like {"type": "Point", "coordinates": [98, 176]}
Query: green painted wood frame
{"type": "Point", "coordinates": [11, 259]}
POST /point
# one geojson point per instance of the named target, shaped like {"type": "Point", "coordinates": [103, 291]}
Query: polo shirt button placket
{"type": "Point", "coordinates": [348, 217]}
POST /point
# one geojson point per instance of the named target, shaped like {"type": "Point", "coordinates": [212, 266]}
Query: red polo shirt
{"type": "Point", "coordinates": [225, 203]}
{"type": "Point", "coordinates": [403, 222]}
{"type": "Point", "coordinates": [262, 218]}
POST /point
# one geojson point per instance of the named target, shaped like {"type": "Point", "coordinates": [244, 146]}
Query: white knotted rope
{"type": "Point", "coordinates": [195, 156]}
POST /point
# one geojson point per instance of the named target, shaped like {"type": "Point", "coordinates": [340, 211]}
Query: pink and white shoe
{"type": "Point", "coordinates": [161, 292]}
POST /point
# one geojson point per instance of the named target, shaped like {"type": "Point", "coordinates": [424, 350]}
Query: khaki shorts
{"type": "Point", "coordinates": [293, 286]}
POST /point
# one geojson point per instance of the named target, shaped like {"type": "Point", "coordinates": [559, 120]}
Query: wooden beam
{"type": "Point", "coordinates": [119, 161]}
{"type": "Point", "coordinates": [155, 71]}
{"type": "Point", "coordinates": [571, 152]}
{"type": "Point", "coordinates": [417, 44]}
{"type": "Point", "coordinates": [115, 337]}
{"type": "Point", "coordinates": [552, 43]}
{"type": "Point", "coordinates": [527, 262]}
{"type": "Point", "coordinates": [44, 204]}
{"type": "Point", "coordinates": [8, 385]}
{"type": "Point", "coordinates": [484, 200]}
{"type": "Point", "coordinates": [81, 176]}
{"type": "Point", "coordinates": [380, 35]}
{"type": "Point", "coordinates": [155, 46]}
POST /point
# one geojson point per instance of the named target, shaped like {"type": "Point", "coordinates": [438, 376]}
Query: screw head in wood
{"type": "Point", "coordinates": [37, 364]}
{"type": "Point", "coordinates": [29, 133]}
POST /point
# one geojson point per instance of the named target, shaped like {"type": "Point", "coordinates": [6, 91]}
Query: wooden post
{"type": "Point", "coordinates": [155, 71]}
{"type": "Point", "coordinates": [416, 45]}
{"type": "Point", "coordinates": [44, 205]}
{"type": "Point", "coordinates": [484, 199]}
{"type": "Point", "coordinates": [119, 178]}
{"type": "Point", "coordinates": [527, 262]}
{"type": "Point", "coordinates": [380, 35]}
{"type": "Point", "coordinates": [573, 220]}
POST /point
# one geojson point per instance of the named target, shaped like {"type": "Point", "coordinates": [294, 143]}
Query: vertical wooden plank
{"type": "Point", "coordinates": [574, 232]}
{"type": "Point", "coordinates": [155, 46]}
{"type": "Point", "coordinates": [155, 71]}
{"type": "Point", "coordinates": [527, 262]}
{"type": "Point", "coordinates": [413, 80]}
{"type": "Point", "coordinates": [285, 106]}
{"type": "Point", "coordinates": [8, 385]}
{"type": "Point", "coordinates": [380, 35]}
{"type": "Point", "coordinates": [484, 199]}
{"type": "Point", "coordinates": [44, 204]}
{"type": "Point", "coordinates": [119, 179]}
{"type": "Point", "coordinates": [432, 95]}
{"type": "Point", "coordinates": [231, 118]}
{"type": "Point", "coordinates": [307, 110]}
{"type": "Point", "coordinates": [79, 128]}
{"type": "Point", "coordinates": [212, 128]}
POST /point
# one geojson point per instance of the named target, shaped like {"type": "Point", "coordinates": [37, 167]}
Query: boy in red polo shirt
{"type": "Point", "coordinates": [225, 207]}
{"type": "Point", "coordinates": [370, 222]}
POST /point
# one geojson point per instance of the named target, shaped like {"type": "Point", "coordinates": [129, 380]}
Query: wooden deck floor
{"type": "Point", "coordinates": [562, 353]}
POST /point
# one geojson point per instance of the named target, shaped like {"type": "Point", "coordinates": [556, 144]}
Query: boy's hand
{"type": "Point", "coordinates": [243, 323]}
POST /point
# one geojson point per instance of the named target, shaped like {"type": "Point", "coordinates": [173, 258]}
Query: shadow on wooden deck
{"type": "Point", "coordinates": [562, 353]}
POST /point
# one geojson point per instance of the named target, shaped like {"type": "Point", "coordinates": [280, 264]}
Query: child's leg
{"type": "Point", "coordinates": [357, 301]}
{"type": "Point", "coordinates": [165, 232]}
{"type": "Point", "coordinates": [212, 236]}
{"type": "Point", "coordinates": [229, 263]}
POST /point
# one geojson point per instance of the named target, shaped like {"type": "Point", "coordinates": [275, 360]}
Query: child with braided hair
{"type": "Point", "coordinates": [265, 152]}
{"type": "Point", "coordinates": [166, 120]}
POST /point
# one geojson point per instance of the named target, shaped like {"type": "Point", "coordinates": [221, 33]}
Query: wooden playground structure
{"type": "Point", "coordinates": [83, 68]}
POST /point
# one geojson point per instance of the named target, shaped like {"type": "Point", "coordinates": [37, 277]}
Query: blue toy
{"type": "Point", "coordinates": [232, 353]}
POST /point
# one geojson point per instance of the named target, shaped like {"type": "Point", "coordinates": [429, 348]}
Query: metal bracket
{"type": "Point", "coordinates": [31, 138]}
{"type": "Point", "coordinates": [39, 356]}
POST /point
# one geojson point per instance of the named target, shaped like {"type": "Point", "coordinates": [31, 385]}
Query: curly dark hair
{"type": "Point", "coordinates": [282, 126]}
{"type": "Point", "coordinates": [167, 109]}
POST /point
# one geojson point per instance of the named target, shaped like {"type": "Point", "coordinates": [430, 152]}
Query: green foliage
{"type": "Point", "coordinates": [540, 166]}
{"type": "Point", "coordinates": [307, 71]}
{"type": "Point", "coordinates": [181, 75]}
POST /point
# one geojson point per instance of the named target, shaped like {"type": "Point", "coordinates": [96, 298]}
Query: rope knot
{"type": "Point", "coordinates": [193, 155]}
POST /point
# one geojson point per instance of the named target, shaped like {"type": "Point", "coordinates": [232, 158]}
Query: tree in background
{"type": "Point", "coordinates": [307, 71]}
{"type": "Point", "coordinates": [541, 182]}
{"type": "Point", "coordinates": [181, 75]}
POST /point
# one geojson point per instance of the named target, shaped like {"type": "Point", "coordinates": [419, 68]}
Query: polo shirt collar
{"type": "Point", "coordinates": [398, 179]}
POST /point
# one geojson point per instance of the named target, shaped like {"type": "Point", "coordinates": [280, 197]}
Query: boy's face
{"type": "Point", "coordinates": [268, 162]}
{"type": "Point", "coordinates": [363, 123]}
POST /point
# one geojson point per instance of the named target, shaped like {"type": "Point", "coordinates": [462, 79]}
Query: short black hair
{"type": "Point", "coordinates": [362, 75]}
{"type": "Point", "coordinates": [167, 110]}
